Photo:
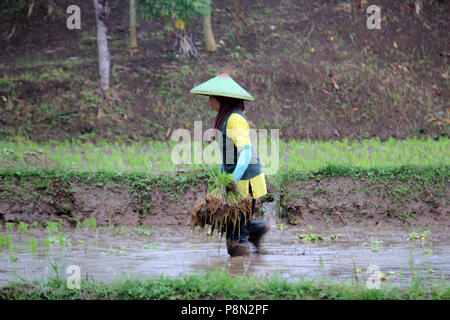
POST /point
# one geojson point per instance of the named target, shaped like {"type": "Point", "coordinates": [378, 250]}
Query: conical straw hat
{"type": "Point", "coordinates": [222, 85]}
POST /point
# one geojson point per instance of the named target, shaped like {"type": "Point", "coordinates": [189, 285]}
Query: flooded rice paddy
{"type": "Point", "coordinates": [343, 254]}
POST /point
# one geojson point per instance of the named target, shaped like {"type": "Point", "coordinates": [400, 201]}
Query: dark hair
{"type": "Point", "coordinates": [227, 105]}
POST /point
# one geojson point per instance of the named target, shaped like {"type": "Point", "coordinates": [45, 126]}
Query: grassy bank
{"type": "Point", "coordinates": [180, 182]}
{"type": "Point", "coordinates": [220, 285]}
{"type": "Point", "coordinates": [134, 198]}
{"type": "Point", "coordinates": [155, 156]}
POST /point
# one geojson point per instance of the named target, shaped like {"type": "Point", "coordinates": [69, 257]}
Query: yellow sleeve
{"type": "Point", "coordinates": [238, 130]}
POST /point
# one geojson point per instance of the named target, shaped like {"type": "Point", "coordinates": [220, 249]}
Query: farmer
{"type": "Point", "coordinates": [238, 157]}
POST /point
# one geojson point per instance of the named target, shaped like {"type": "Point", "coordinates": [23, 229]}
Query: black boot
{"type": "Point", "coordinates": [257, 232]}
{"type": "Point", "coordinates": [235, 248]}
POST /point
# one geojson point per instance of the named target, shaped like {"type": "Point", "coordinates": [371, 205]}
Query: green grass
{"type": "Point", "coordinates": [180, 182]}
{"type": "Point", "coordinates": [155, 156]}
{"type": "Point", "coordinates": [220, 285]}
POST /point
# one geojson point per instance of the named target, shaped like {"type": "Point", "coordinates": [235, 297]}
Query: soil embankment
{"type": "Point", "coordinates": [365, 202]}
{"type": "Point", "coordinates": [314, 68]}
{"type": "Point", "coordinates": [166, 201]}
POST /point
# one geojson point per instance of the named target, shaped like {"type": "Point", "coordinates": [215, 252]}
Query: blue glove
{"type": "Point", "coordinates": [245, 154]}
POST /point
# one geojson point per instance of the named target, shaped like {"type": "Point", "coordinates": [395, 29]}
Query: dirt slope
{"type": "Point", "coordinates": [315, 69]}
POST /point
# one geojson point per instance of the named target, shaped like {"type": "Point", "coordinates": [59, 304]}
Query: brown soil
{"type": "Point", "coordinates": [111, 204]}
{"type": "Point", "coordinates": [334, 201]}
{"type": "Point", "coordinates": [343, 200]}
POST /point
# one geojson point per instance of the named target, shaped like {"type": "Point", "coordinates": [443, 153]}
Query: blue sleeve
{"type": "Point", "coordinates": [245, 154]}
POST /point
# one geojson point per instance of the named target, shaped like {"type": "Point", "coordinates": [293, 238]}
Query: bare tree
{"type": "Point", "coordinates": [101, 9]}
{"type": "Point", "coordinates": [210, 42]}
{"type": "Point", "coordinates": [133, 38]}
{"type": "Point", "coordinates": [418, 6]}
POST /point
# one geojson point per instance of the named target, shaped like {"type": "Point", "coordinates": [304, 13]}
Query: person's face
{"type": "Point", "coordinates": [214, 103]}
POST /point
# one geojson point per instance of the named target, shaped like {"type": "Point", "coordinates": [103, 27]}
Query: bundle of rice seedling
{"type": "Point", "coordinates": [221, 205]}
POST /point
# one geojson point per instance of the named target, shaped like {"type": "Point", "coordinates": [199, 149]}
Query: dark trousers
{"type": "Point", "coordinates": [245, 228]}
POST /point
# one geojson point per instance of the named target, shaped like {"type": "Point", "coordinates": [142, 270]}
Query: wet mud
{"type": "Point", "coordinates": [344, 254]}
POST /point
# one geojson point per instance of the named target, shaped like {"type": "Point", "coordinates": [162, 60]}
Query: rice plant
{"type": "Point", "coordinates": [9, 243]}
{"type": "Point", "coordinates": [47, 244]}
{"type": "Point", "coordinates": [51, 227]}
{"type": "Point", "coordinates": [10, 226]}
{"type": "Point", "coordinates": [22, 227]}
{"type": "Point", "coordinates": [2, 241]}
{"type": "Point", "coordinates": [293, 155]}
{"type": "Point", "coordinates": [33, 244]}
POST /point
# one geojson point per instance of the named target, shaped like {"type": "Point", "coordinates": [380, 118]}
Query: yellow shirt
{"type": "Point", "coordinates": [239, 131]}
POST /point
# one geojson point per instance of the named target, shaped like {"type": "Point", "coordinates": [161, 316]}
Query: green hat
{"type": "Point", "coordinates": [222, 85]}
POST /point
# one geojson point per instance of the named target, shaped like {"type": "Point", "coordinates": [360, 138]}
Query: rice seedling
{"type": "Point", "coordinates": [416, 236]}
{"type": "Point", "coordinates": [10, 226]}
{"type": "Point", "coordinates": [376, 244]}
{"type": "Point", "coordinates": [47, 243]}
{"type": "Point", "coordinates": [62, 240]}
{"type": "Point", "coordinates": [189, 245]}
{"type": "Point", "coordinates": [295, 155]}
{"type": "Point", "coordinates": [93, 223]}
{"type": "Point", "coordinates": [413, 235]}
{"type": "Point", "coordinates": [22, 227]}
{"type": "Point", "coordinates": [143, 231]}
{"type": "Point", "coordinates": [308, 237]}
{"type": "Point", "coordinates": [2, 241]}
{"type": "Point", "coordinates": [375, 249]}
{"type": "Point", "coordinates": [86, 224]}
{"type": "Point", "coordinates": [153, 245]}
{"type": "Point", "coordinates": [334, 236]}
{"type": "Point", "coordinates": [51, 227]}
{"type": "Point", "coordinates": [33, 244]}
{"type": "Point", "coordinates": [52, 240]}
{"type": "Point", "coordinates": [222, 204]}
{"type": "Point", "coordinates": [9, 243]}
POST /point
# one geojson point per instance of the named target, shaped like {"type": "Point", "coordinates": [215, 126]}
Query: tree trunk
{"type": "Point", "coordinates": [418, 6]}
{"type": "Point", "coordinates": [133, 38]}
{"type": "Point", "coordinates": [210, 42]}
{"type": "Point", "coordinates": [103, 52]}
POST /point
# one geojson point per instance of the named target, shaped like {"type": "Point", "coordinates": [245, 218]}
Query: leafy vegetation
{"type": "Point", "coordinates": [155, 156]}
{"type": "Point", "coordinates": [308, 237]}
{"type": "Point", "coordinates": [220, 285]}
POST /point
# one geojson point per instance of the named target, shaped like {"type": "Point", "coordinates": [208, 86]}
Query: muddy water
{"type": "Point", "coordinates": [109, 255]}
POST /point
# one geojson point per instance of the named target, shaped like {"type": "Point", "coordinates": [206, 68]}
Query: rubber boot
{"type": "Point", "coordinates": [256, 238]}
{"type": "Point", "coordinates": [235, 248]}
